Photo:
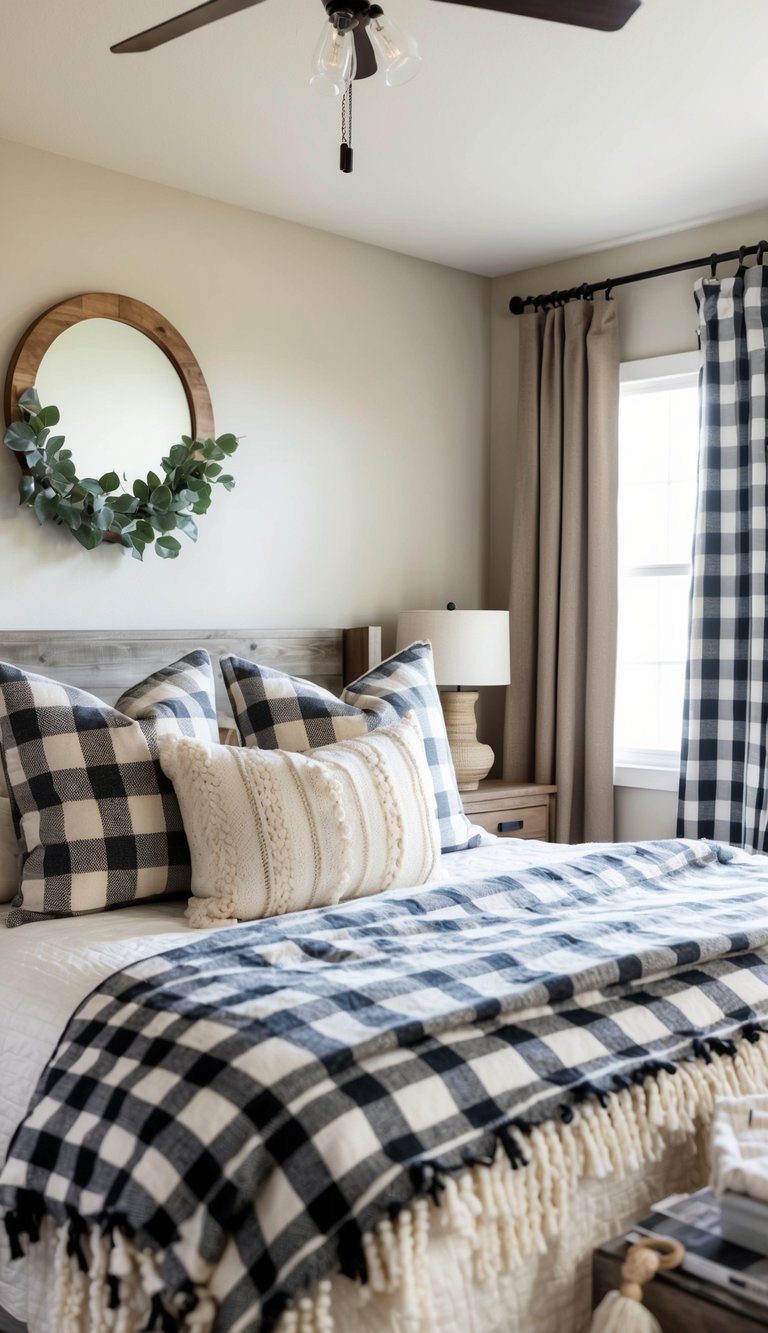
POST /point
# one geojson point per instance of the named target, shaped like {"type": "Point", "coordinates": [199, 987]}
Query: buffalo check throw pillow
{"type": "Point", "coordinates": [98, 822]}
{"type": "Point", "coordinates": [276, 711]}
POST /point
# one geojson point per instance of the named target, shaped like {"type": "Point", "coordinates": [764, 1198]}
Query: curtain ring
{"type": "Point", "coordinates": [761, 249]}
{"type": "Point", "coordinates": [608, 289]}
{"type": "Point", "coordinates": [585, 292]}
{"type": "Point", "coordinates": [713, 267]}
{"type": "Point", "coordinates": [741, 270]}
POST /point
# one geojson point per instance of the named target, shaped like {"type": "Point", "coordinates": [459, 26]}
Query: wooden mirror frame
{"type": "Point", "coordinates": [34, 343]}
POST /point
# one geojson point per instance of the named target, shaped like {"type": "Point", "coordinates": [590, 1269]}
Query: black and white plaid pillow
{"type": "Point", "coordinates": [97, 818]}
{"type": "Point", "coordinates": [276, 711]}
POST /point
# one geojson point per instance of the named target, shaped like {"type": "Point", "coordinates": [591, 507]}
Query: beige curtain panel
{"type": "Point", "coordinates": [563, 599]}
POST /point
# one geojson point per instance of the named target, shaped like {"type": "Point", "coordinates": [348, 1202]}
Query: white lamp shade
{"type": "Point", "coordinates": [470, 648]}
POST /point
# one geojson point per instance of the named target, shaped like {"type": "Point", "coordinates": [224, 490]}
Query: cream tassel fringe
{"type": "Point", "coordinates": [503, 1213]}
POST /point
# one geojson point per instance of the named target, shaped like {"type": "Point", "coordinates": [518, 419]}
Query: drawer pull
{"type": "Point", "coordinates": [510, 825]}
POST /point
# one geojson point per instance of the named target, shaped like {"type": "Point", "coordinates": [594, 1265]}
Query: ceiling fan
{"type": "Point", "coordinates": [357, 33]}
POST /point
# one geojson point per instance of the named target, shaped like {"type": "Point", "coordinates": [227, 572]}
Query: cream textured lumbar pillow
{"type": "Point", "coordinates": [272, 831]}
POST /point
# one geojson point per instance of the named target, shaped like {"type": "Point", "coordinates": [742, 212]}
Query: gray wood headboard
{"type": "Point", "coordinates": [107, 662]}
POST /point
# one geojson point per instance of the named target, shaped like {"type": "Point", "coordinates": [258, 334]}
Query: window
{"type": "Point", "coordinates": [658, 453]}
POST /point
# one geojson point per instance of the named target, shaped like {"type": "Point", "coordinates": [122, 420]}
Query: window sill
{"type": "Point", "coordinates": [644, 775]}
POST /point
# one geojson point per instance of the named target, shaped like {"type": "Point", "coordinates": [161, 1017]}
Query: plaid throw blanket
{"type": "Point", "coordinates": [256, 1101]}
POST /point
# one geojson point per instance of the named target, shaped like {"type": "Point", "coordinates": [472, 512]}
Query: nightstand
{"type": "Point", "coordinates": [511, 810]}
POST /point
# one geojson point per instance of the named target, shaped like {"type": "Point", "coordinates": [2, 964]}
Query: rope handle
{"type": "Point", "coordinates": [645, 1259]}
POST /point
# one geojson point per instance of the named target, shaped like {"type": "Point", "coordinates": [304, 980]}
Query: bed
{"type": "Point", "coordinates": [497, 1243]}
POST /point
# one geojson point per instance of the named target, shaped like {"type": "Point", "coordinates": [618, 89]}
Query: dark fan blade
{"type": "Point", "coordinates": [606, 15]}
{"type": "Point", "coordinates": [366, 60]}
{"type": "Point", "coordinates": [182, 24]}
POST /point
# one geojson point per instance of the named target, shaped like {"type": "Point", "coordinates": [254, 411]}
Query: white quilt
{"type": "Point", "coordinates": [47, 969]}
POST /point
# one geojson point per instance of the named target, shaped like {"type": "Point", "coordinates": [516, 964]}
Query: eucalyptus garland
{"type": "Point", "coordinates": [95, 508]}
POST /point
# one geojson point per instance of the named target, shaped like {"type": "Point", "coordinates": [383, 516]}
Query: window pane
{"type": "Point", "coordinates": [643, 435]}
{"type": "Point", "coordinates": [681, 512]}
{"type": "Point", "coordinates": [637, 707]}
{"type": "Point", "coordinates": [658, 453]}
{"type": "Point", "coordinates": [653, 618]}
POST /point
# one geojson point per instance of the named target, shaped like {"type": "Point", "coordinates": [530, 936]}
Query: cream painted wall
{"type": "Point", "coordinates": [358, 379]}
{"type": "Point", "coordinates": [656, 318]}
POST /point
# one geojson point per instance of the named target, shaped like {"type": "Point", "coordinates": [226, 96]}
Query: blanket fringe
{"type": "Point", "coordinates": [505, 1208]}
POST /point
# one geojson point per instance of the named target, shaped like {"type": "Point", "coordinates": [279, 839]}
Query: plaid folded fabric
{"type": "Point", "coordinates": [276, 711]}
{"type": "Point", "coordinates": [96, 817]}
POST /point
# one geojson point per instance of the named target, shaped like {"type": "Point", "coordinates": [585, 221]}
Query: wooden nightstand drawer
{"type": "Point", "coordinates": [527, 821]}
{"type": "Point", "coordinates": [512, 811]}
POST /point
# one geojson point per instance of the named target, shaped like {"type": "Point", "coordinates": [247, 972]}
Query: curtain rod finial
{"type": "Point", "coordinates": [517, 305]}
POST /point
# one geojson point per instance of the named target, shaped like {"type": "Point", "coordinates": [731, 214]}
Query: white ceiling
{"type": "Point", "coordinates": [519, 142]}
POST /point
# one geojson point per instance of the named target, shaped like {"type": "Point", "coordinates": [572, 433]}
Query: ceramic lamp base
{"type": "Point", "coordinates": [471, 758]}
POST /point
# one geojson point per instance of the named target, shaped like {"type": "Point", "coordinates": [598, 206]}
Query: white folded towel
{"type": "Point", "coordinates": [739, 1145]}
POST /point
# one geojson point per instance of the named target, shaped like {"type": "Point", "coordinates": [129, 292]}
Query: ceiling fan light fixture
{"type": "Point", "coordinates": [397, 50]}
{"type": "Point", "coordinates": [335, 59]}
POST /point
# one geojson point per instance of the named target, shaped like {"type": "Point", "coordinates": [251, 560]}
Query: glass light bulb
{"type": "Point", "coordinates": [398, 51]}
{"type": "Point", "coordinates": [335, 61]}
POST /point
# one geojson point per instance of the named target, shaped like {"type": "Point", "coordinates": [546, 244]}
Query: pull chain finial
{"type": "Point", "coordinates": [345, 151]}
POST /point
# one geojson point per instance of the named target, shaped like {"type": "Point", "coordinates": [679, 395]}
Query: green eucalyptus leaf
{"type": "Point", "coordinates": [144, 530]}
{"type": "Point", "coordinates": [228, 443]}
{"type": "Point", "coordinates": [179, 455]}
{"type": "Point", "coordinates": [212, 471]}
{"type": "Point", "coordinates": [54, 445]}
{"type": "Point", "coordinates": [88, 535]}
{"type": "Point", "coordinates": [125, 504]}
{"type": "Point", "coordinates": [167, 547]}
{"type": "Point", "coordinates": [49, 416]}
{"type": "Point", "coordinates": [20, 437]}
{"type": "Point", "coordinates": [91, 485]}
{"type": "Point", "coordinates": [141, 490]}
{"type": "Point", "coordinates": [64, 454]}
{"type": "Point", "coordinates": [227, 482]}
{"type": "Point", "coordinates": [104, 519]}
{"type": "Point", "coordinates": [26, 489]}
{"type": "Point", "coordinates": [161, 497]}
{"type": "Point", "coordinates": [186, 524]}
{"type": "Point", "coordinates": [69, 514]}
{"type": "Point", "coordinates": [212, 450]}
{"type": "Point", "coordinates": [165, 522]}
{"type": "Point", "coordinates": [42, 507]}
{"type": "Point", "coordinates": [109, 482]}
{"type": "Point", "coordinates": [201, 507]}
{"type": "Point", "coordinates": [29, 401]}
{"type": "Point", "coordinates": [153, 481]}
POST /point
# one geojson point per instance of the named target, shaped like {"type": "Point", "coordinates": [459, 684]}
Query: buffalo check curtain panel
{"type": "Point", "coordinates": [96, 818]}
{"type": "Point", "coordinates": [273, 710]}
{"type": "Point", "coordinates": [724, 777]}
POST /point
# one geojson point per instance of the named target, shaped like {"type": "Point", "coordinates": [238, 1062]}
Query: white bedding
{"type": "Point", "coordinates": [47, 969]}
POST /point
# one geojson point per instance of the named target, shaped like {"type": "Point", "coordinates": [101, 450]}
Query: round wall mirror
{"type": "Point", "coordinates": [119, 396]}
{"type": "Point", "coordinates": [126, 383]}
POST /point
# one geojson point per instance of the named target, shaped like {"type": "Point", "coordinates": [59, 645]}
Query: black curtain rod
{"type": "Point", "coordinates": [587, 289]}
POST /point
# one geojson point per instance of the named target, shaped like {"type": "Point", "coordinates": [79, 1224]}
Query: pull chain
{"type": "Point", "coordinates": [345, 152]}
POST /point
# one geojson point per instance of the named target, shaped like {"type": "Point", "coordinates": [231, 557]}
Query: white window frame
{"type": "Point", "coordinates": [655, 770]}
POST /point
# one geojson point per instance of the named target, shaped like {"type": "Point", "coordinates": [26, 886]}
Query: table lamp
{"type": "Point", "coordinates": [470, 648]}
